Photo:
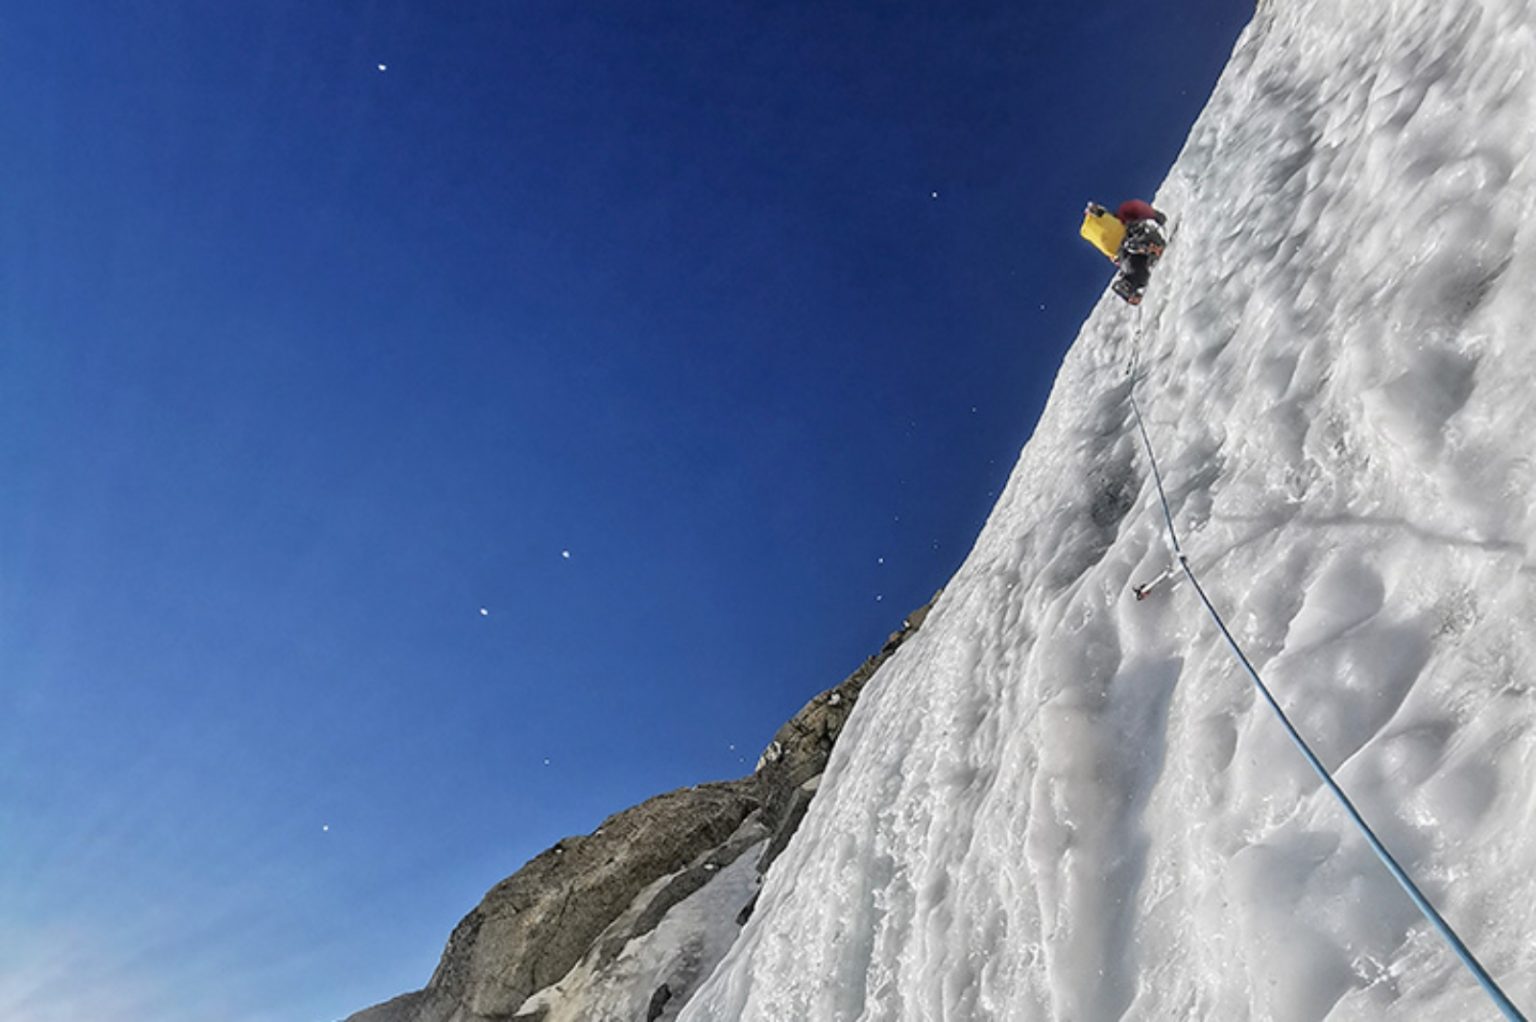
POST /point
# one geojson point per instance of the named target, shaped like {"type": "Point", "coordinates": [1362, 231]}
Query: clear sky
{"type": "Point", "coordinates": [427, 428]}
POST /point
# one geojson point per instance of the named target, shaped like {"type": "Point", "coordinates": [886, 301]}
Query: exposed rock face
{"type": "Point", "coordinates": [587, 898]}
{"type": "Point", "coordinates": [658, 1003]}
{"type": "Point", "coordinates": [653, 906]}
{"type": "Point", "coordinates": [535, 925]}
{"type": "Point", "coordinates": [421, 1006]}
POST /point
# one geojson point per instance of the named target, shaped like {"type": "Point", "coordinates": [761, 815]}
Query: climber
{"type": "Point", "coordinates": [1132, 238]}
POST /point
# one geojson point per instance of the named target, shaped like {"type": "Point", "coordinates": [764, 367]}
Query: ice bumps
{"type": "Point", "coordinates": [1061, 803]}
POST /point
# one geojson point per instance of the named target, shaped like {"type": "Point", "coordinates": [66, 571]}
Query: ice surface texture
{"type": "Point", "coordinates": [1060, 803]}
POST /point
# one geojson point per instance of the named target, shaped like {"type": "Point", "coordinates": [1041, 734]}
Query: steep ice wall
{"type": "Point", "coordinates": [1057, 802]}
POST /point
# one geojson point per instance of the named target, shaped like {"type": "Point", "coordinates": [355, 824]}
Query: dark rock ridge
{"type": "Point", "coordinates": [581, 900]}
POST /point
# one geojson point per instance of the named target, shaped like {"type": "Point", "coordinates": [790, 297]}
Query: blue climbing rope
{"type": "Point", "coordinates": [1398, 873]}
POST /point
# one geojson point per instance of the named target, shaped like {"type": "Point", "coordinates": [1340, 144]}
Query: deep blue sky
{"type": "Point", "coordinates": [303, 363]}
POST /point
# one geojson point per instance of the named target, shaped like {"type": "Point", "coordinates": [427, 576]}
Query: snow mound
{"type": "Point", "coordinates": [1058, 802]}
{"type": "Point", "coordinates": [654, 973]}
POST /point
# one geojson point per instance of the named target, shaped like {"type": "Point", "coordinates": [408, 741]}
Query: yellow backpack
{"type": "Point", "coordinates": [1104, 232]}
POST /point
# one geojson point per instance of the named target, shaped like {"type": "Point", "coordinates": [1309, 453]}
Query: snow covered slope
{"type": "Point", "coordinates": [1059, 803]}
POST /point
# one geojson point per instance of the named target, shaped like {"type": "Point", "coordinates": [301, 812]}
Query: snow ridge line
{"type": "Point", "coordinates": [1489, 985]}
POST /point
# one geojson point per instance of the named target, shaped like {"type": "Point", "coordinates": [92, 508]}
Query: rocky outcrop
{"type": "Point", "coordinates": [658, 1003]}
{"type": "Point", "coordinates": [587, 898]}
{"type": "Point", "coordinates": [679, 886]}
{"type": "Point", "coordinates": [535, 925]}
{"type": "Point", "coordinates": [421, 1006]}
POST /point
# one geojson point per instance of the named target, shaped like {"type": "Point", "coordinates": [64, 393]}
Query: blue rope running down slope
{"type": "Point", "coordinates": [1398, 873]}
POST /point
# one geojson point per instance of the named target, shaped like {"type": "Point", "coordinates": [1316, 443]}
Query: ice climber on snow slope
{"type": "Point", "coordinates": [1056, 803]}
{"type": "Point", "coordinates": [1132, 238]}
